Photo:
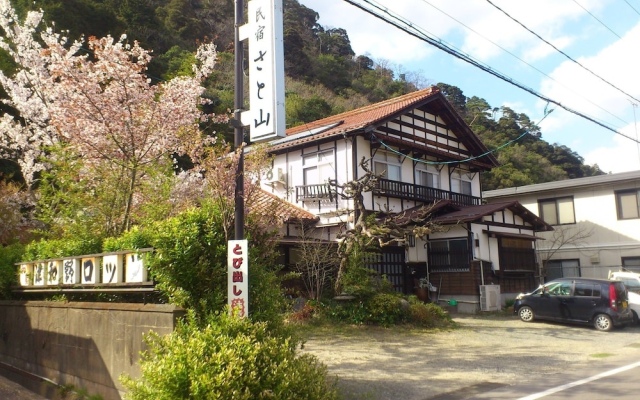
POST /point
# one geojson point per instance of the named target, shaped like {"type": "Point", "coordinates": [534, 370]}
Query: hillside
{"type": "Point", "coordinates": [324, 75]}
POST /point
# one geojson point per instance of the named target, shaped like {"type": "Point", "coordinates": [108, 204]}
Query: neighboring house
{"type": "Point", "coordinates": [426, 155]}
{"type": "Point", "coordinates": [596, 223]}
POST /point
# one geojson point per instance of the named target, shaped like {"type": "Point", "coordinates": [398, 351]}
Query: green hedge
{"type": "Point", "coordinates": [228, 358]}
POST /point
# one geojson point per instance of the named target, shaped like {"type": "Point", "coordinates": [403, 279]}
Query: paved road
{"type": "Point", "coordinates": [616, 381]}
{"type": "Point", "coordinates": [498, 354]}
{"type": "Point", "coordinates": [11, 390]}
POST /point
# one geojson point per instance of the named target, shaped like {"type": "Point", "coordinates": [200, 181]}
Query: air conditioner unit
{"type": "Point", "coordinates": [490, 298]}
{"type": "Point", "coordinates": [278, 176]}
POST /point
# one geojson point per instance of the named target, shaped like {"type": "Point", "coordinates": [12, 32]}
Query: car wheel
{"type": "Point", "coordinates": [603, 322]}
{"type": "Point", "coordinates": [526, 314]}
{"type": "Point", "coordinates": [635, 317]}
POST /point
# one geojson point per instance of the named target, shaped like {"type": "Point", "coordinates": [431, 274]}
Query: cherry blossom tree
{"type": "Point", "coordinates": [92, 98]}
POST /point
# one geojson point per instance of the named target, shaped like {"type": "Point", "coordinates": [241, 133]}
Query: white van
{"type": "Point", "coordinates": [632, 281]}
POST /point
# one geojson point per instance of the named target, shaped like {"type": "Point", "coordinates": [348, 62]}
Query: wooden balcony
{"type": "Point", "coordinates": [314, 192]}
{"type": "Point", "coordinates": [424, 194]}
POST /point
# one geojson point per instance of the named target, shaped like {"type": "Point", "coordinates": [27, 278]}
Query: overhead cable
{"type": "Point", "coordinates": [561, 52]}
{"type": "Point", "coordinates": [528, 64]}
{"type": "Point", "coordinates": [596, 18]}
{"type": "Point", "coordinates": [409, 28]}
{"type": "Point", "coordinates": [633, 8]}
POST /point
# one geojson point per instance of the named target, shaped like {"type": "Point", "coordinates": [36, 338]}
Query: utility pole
{"type": "Point", "coordinates": [238, 105]}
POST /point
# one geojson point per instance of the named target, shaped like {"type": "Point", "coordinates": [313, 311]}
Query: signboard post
{"type": "Point", "coordinates": [265, 118]}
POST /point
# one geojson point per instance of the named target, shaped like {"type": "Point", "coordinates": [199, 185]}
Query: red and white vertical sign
{"type": "Point", "coordinates": [238, 278]}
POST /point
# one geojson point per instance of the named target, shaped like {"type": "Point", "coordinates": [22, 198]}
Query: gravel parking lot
{"type": "Point", "coordinates": [487, 351]}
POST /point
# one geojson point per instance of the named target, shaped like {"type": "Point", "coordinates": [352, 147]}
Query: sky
{"type": "Point", "coordinates": [601, 36]}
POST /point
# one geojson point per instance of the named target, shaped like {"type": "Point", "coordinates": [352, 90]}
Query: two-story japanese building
{"type": "Point", "coordinates": [425, 154]}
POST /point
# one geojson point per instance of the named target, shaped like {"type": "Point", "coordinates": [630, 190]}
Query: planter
{"type": "Point", "coordinates": [422, 294]}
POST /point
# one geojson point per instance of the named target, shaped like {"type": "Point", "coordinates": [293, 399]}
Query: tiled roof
{"type": "Point", "coordinates": [267, 203]}
{"type": "Point", "coordinates": [475, 213]}
{"type": "Point", "coordinates": [367, 118]}
{"type": "Point", "coordinates": [408, 216]}
{"type": "Point", "coordinates": [352, 120]}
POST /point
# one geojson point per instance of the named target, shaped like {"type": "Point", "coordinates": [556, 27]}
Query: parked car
{"type": "Point", "coordinates": [600, 302]}
{"type": "Point", "coordinates": [632, 281]}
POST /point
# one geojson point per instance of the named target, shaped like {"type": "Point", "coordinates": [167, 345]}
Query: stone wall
{"type": "Point", "coordinates": [81, 344]}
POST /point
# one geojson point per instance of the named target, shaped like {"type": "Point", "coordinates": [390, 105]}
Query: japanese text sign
{"type": "Point", "coordinates": [266, 70]}
{"type": "Point", "coordinates": [238, 278]}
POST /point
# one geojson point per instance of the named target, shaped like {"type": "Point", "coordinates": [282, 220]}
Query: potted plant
{"type": "Point", "coordinates": [422, 290]}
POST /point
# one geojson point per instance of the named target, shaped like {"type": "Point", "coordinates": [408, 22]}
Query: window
{"type": "Point", "coordinates": [517, 254]}
{"type": "Point", "coordinates": [558, 289]}
{"type": "Point", "coordinates": [460, 184]}
{"type": "Point", "coordinates": [427, 178]}
{"type": "Point", "coordinates": [387, 166]}
{"type": "Point", "coordinates": [627, 204]}
{"type": "Point", "coordinates": [448, 255]}
{"type": "Point", "coordinates": [631, 264]}
{"type": "Point", "coordinates": [557, 211]}
{"type": "Point", "coordinates": [562, 268]}
{"type": "Point", "coordinates": [586, 290]}
{"type": "Point", "coordinates": [318, 167]}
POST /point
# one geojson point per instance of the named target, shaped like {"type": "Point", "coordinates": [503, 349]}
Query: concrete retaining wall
{"type": "Point", "coordinates": [85, 345]}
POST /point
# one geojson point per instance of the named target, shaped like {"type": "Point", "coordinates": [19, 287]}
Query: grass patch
{"type": "Point", "coordinates": [601, 355]}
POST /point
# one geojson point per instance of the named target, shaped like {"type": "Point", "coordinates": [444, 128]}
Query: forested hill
{"type": "Point", "coordinates": [324, 75]}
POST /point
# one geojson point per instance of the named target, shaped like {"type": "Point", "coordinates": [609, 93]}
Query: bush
{"type": "Point", "coordinates": [9, 256]}
{"type": "Point", "coordinates": [429, 315]}
{"type": "Point", "coordinates": [189, 265]}
{"type": "Point", "coordinates": [229, 358]}
{"type": "Point", "coordinates": [57, 248]}
{"type": "Point", "coordinates": [384, 309]}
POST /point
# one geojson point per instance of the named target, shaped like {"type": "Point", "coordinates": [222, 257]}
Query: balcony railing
{"type": "Point", "coordinates": [314, 192]}
{"type": "Point", "coordinates": [425, 194]}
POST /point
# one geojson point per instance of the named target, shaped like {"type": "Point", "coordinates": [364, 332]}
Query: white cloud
{"type": "Point", "coordinates": [620, 155]}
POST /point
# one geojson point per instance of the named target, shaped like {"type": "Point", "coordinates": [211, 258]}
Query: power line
{"type": "Point", "coordinates": [526, 63]}
{"type": "Point", "coordinates": [633, 8]}
{"type": "Point", "coordinates": [596, 18]}
{"type": "Point", "coordinates": [562, 52]}
{"type": "Point", "coordinates": [409, 28]}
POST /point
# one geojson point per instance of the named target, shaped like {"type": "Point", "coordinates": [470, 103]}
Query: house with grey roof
{"type": "Point", "coordinates": [596, 223]}
{"type": "Point", "coordinates": [424, 154]}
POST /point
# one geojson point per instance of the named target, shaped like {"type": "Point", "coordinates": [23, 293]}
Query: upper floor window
{"type": "Point", "coordinates": [318, 167]}
{"type": "Point", "coordinates": [627, 203]}
{"type": "Point", "coordinates": [557, 211]}
{"type": "Point", "coordinates": [460, 184]}
{"type": "Point", "coordinates": [387, 166]}
{"type": "Point", "coordinates": [425, 177]}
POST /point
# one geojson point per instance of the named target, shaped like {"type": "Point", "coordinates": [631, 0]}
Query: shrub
{"type": "Point", "coordinates": [229, 358]}
{"type": "Point", "coordinates": [189, 264]}
{"type": "Point", "coordinates": [429, 315]}
{"type": "Point", "coordinates": [56, 248]}
{"type": "Point", "coordinates": [385, 309]}
{"type": "Point", "coordinates": [9, 256]}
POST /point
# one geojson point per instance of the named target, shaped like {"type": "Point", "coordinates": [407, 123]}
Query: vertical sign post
{"type": "Point", "coordinates": [265, 118]}
{"type": "Point", "coordinates": [238, 104]}
{"type": "Point", "coordinates": [266, 70]}
{"type": "Point", "coordinates": [238, 278]}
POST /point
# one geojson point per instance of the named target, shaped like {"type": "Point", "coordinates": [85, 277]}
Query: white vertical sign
{"type": "Point", "coordinates": [71, 271]}
{"type": "Point", "coordinates": [112, 266]}
{"type": "Point", "coordinates": [238, 277]}
{"type": "Point", "coordinates": [266, 70]}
